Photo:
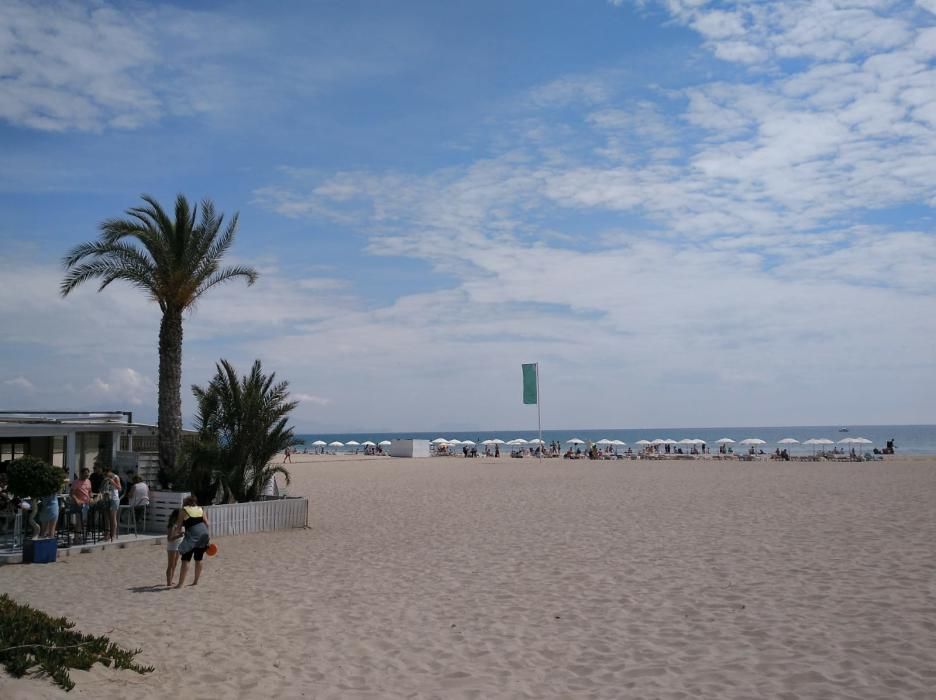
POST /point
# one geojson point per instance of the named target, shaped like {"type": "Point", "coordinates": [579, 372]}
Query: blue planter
{"type": "Point", "coordinates": [42, 551]}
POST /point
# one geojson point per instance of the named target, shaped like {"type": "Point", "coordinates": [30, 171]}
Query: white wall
{"type": "Point", "coordinates": [409, 448]}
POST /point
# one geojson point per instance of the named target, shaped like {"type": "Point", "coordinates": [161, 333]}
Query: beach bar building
{"type": "Point", "coordinates": [71, 440]}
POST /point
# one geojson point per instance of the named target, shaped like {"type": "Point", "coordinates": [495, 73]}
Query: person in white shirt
{"type": "Point", "coordinates": [138, 497]}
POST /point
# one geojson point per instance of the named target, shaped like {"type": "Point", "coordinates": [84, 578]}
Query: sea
{"type": "Point", "coordinates": [908, 439]}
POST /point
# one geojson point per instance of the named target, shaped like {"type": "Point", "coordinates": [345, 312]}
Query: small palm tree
{"type": "Point", "coordinates": [241, 423]}
{"type": "Point", "coordinates": [174, 263]}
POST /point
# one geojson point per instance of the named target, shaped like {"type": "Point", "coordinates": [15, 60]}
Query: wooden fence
{"type": "Point", "coordinates": [162, 503]}
{"type": "Point", "coordinates": [232, 518]}
{"type": "Point", "coordinates": [241, 518]}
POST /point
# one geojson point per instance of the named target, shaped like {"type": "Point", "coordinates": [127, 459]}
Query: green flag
{"type": "Point", "coordinates": [529, 384]}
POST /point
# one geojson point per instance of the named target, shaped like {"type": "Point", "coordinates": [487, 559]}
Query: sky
{"type": "Point", "coordinates": [690, 213]}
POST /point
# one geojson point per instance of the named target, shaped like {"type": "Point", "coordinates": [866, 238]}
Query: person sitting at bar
{"type": "Point", "coordinates": [138, 497]}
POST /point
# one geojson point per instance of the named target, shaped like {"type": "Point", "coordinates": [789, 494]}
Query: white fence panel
{"type": "Point", "coordinates": [259, 516]}
{"type": "Point", "coordinates": [162, 503]}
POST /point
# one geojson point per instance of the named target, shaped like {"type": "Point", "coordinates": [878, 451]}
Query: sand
{"type": "Point", "coordinates": [455, 578]}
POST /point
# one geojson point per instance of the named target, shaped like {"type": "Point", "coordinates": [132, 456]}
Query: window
{"type": "Point", "coordinates": [12, 450]}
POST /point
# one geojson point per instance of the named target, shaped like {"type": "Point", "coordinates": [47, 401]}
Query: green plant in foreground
{"type": "Point", "coordinates": [32, 641]}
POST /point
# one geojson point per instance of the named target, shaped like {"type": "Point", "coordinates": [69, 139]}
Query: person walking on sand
{"type": "Point", "coordinates": [286, 459]}
{"type": "Point", "coordinates": [196, 539]}
{"type": "Point", "coordinates": [173, 539]}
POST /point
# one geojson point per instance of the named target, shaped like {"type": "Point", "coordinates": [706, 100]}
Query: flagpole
{"type": "Point", "coordinates": [539, 419]}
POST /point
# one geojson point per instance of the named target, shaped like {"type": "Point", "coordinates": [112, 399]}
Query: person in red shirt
{"type": "Point", "coordinates": [80, 492]}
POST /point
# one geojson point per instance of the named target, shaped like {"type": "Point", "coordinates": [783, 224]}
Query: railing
{"type": "Point", "coordinates": [241, 518]}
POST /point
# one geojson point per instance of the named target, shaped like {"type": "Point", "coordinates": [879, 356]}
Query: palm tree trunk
{"type": "Point", "coordinates": [170, 391]}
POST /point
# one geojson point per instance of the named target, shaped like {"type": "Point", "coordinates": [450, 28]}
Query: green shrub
{"type": "Point", "coordinates": [31, 641]}
{"type": "Point", "coordinates": [30, 477]}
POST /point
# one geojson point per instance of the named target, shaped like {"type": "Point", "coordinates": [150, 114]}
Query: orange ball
{"type": "Point", "coordinates": [212, 549]}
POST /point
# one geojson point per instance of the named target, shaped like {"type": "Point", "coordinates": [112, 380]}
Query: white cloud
{"type": "Point", "coordinates": [19, 383]}
{"type": "Point", "coordinates": [309, 398]}
{"type": "Point", "coordinates": [121, 386]}
{"type": "Point", "coordinates": [92, 66]}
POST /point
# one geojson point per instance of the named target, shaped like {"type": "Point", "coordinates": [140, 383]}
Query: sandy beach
{"type": "Point", "coordinates": [455, 578]}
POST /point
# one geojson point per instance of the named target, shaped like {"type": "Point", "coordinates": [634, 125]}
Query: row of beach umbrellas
{"type": "Point", "coordinates": [350, 443]}
{"type": "Point", "coordinates": [660, 441]}
{"type": "Point", "coordinates": [606, 442]}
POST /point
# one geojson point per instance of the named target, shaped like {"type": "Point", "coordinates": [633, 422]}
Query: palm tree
{"type": "Point", "coordinates": [241, 423]}
{"type": "Point", "coordinates": [174, 263]}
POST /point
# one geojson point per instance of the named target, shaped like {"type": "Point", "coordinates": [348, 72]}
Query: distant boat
{"type": "Point", "coordinates": [843, 430]}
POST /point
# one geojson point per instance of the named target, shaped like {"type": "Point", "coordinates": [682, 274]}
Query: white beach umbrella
{"type": "Point", "coordinates": [753, 441]}
{"type": "Point", "coordinates": [812, 442]}
{"type": "Point", "coordinates": [846, 441]}
{"type": "Point", "coordinates": [498, 441]}
{"type": "Point", "coordinates": [863, 441]}
{"type": "Point", "coordinates": [575, 441]}
{"type": "Point", "coordinates": [487, 442]}
{"type": "Point", "coordinates": [454, 442]}
{"type": "Point", "coordinates": [467, 442]}
{"type": "Point", "coordinates": [643, 442]}
{"type": "Point", "coordinates": [353, 443]}
{"type": "Point", "coordinates": [670, 441]}
{"type": "Point", "coordinates": [658, 441]}
{"type": "Point", "coordinates": [618, 442]}
{"type": "Point", "coordinates": [384, 443]}
{"type": "Point", "coordinates": [319, 443]}
{"type": "Point", "coordinates": [824, 441]}
{"type": "Point", "coordinates": [336, 444]}
{"type": "Point", "coordinates": [603, 441]}
{"type": "Point", "coordinates": [725, 441]}
{"type": "Point", "coordinates": [369, 443]}
{"type": "Point", "coordinates": [439, 441]}
{"type": "Point", "coordinates": [686, 441]}
{"type": "Point", "coordinates": [787, 441]}
{"type": "Point", "coordinates": [536, 441]}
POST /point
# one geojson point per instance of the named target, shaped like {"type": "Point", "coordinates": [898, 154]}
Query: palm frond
{"type": "Point", "coordinates": [224, 275]}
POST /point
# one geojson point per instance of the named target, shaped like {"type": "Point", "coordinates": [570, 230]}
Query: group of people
{"type": "Point", "coordinates": [187, 535]}
{"type": "Point", "coordinates": [101, 490]}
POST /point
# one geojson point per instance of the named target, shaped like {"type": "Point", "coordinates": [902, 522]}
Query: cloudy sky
{"type": "Point", "coordinates": [690, 213]}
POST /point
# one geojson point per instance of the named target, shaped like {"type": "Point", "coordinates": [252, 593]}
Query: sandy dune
{"type": "Point", "coordinates": [457, 578]}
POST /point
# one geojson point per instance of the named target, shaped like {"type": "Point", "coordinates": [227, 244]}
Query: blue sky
{"type": "Point", "coordinates": [690, 213]}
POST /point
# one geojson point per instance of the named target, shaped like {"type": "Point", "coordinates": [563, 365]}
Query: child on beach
{"type": "Point", "coordinates": [173, 539]}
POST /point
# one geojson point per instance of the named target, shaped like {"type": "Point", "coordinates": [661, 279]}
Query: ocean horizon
{"type": "Point", "coordinates": [909, 439]}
